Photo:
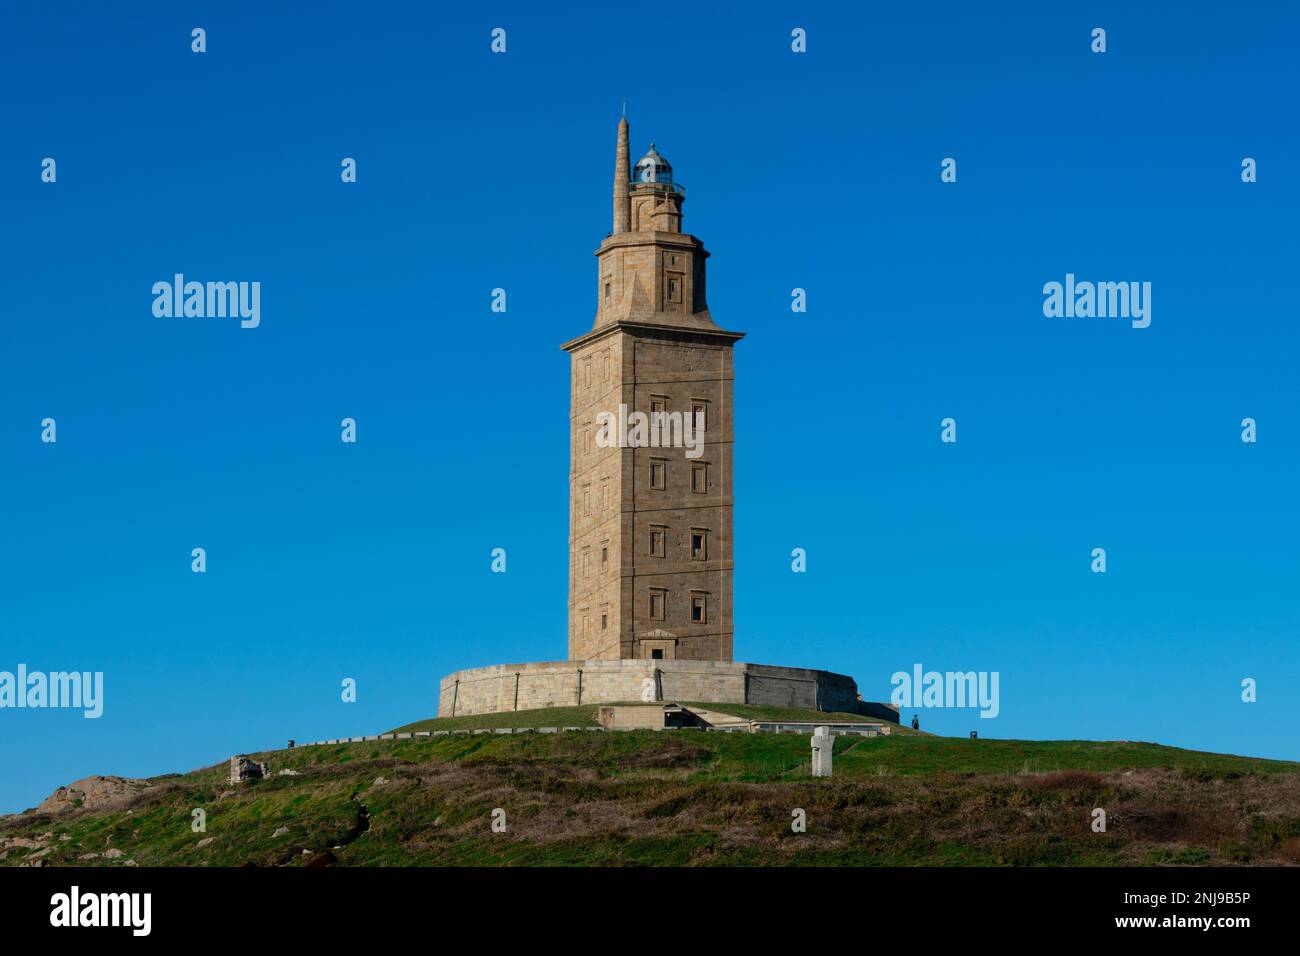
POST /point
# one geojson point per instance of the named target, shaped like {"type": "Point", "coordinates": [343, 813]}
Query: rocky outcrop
{"type": "Point", "coordinates": [244, 768]}
{"type": "Point", "coordinates": [92, 793]}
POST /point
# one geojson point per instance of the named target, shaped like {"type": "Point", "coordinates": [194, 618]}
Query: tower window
{"type": "Point", "coordinates": [658, 417]}
{"type": "Point", "coordinates": [658, 542]}
{"type": "Point", "coordinates": [604, 621]}
{"type": "Point", "coordinates": [658, 474]}
{"type": "Point", "coordinates": [697, 609]}
{"type": "Point", "coordinates": [700, 479]}
{"type": "Point", "coordinates": [604, 556]}
{"type": "Point", "coordinates": [698, 549]}
{"type": "Point", "coordinates": [674, 287]}
{"type": "Point", "coordinates": [606, 291]}
{"type": "Point", "coordinates": [658, 604]}
{"type": "Point", "coordinates": [657, 654]}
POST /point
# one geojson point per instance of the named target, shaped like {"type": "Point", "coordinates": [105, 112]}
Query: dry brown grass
{"type": "Point", "coordinates": [1290, 850]}
{"type": "Point", "coordinates": [1067, 780]}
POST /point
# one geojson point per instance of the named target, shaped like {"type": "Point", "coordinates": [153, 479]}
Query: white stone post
{"type": "Point", "coordinates": [822, 745]}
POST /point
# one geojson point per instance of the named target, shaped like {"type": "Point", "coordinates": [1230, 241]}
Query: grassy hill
{"type": "Point", "coordinates": [691, 798]}
{"type": "Point", "coordinates": [585, 716]}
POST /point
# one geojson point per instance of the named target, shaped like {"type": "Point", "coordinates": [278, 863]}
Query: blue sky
{"type": "Point", "coordinates": [477, 171]}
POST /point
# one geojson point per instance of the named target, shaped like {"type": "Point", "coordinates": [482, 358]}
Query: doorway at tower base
{"type": "Point", "coordinates": [501, 688]}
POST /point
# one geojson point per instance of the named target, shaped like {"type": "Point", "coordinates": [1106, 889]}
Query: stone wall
{"type": "Point", "coordinates": [507, 687]}
{"type": "Point", "coordinates": [628, 526]}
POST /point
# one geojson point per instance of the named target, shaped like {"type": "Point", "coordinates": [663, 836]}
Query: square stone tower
{"type": "Point", "coordinates": [650, 474]}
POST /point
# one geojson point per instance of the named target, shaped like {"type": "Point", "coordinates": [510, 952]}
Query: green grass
{"type": "Point", "coordinates": [924, 754]}
{"type": "Point", "coordinates": [697, 798]}
{"type": "Point", "coordinates": [584, 716]}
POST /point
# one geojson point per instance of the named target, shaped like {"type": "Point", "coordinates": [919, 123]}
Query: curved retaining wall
{"type": "Point", "coordinates": [507, 687]}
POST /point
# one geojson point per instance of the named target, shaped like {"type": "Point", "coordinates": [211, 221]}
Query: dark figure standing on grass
{"type": "Point", "coordinates": [916, 722]}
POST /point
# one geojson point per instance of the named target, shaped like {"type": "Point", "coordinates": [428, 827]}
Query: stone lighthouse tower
{"type": "Point", "coordinates": [650, 473]}
{"type": "Point", "coordinates": [650, 491]}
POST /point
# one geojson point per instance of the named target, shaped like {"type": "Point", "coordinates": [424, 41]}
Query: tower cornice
{"type": "Point", "coordinates": [675, 240]}
{"type": "Point", "coordinates": [685, 331]}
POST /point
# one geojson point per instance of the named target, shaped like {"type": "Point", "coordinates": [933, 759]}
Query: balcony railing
{"type": "Point", "coordinates": [677, 188]}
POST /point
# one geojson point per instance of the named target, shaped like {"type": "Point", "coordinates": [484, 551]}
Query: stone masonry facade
{"type": "Point", "coordinates": [508, 687]}
{"type": "Point", "coordinates": [651, 553]}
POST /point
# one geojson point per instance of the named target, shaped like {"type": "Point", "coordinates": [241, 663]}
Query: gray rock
{"type": "Point", "coordinates": [242, 768]}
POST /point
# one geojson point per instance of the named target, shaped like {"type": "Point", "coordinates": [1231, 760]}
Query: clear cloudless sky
{"type": "Point", "coordinates": [477, 171]}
